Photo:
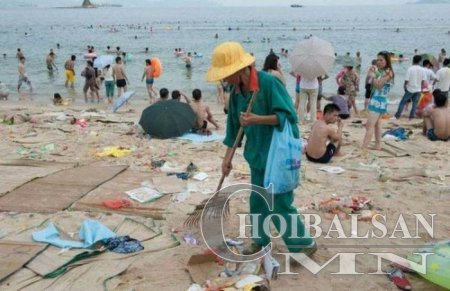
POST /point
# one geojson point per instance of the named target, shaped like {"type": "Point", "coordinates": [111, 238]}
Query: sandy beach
{"type": "Point", "coordinates": [406, 177]}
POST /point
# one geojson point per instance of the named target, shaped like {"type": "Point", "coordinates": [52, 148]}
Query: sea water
{"type": "Point", "coordinates": [368, 29]}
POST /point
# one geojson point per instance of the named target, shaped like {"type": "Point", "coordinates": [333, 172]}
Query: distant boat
{"type": "Point", "coordinates": [296, 6]}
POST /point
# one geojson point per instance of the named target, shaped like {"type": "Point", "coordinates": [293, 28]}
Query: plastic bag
{"type": "Point", "coordinates": [283, 161]}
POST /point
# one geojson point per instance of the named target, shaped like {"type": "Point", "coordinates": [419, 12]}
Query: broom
{"type": "Point", "coordinates": [219, 202]}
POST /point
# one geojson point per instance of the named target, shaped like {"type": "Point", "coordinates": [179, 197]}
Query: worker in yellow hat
{"type": "Point", "coordinates": [272, 108]}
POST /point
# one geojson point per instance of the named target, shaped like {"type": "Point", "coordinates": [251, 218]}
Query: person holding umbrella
{"type": "Point", "coordinates": [311, 59]}
{"type": "Point", "coordinates": [383, 80]}
{"type": "Point", "coordinates": [272, 108]}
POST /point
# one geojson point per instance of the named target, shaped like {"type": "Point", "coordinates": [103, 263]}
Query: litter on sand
{"type": "Point", "coordinates": [332, 170]}
{"type": "Point", "coordinates": [200, 176]}
{"type": "Point", "coordinates": [144, 194]}
{"type": "Point", "coordinates": [91, 231]}
{"type": "Point", "coordinates": [193, 137]}
{"type": "Point", "coordinates": [115, 152]}
{"type": "Point", "coordinates": [343, 206]}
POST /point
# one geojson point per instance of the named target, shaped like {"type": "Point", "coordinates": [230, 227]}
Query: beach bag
{"type": "Point", "coordinates": [283, 161]}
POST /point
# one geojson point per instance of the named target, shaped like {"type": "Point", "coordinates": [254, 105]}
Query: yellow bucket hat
{"type": "Point", "coordinates": [227, 59]}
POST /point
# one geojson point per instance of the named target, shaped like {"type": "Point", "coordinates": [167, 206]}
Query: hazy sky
{"type": "Point", "coordinates": [7, 3]}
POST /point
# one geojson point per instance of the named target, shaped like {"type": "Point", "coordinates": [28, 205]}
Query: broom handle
{"type": "Point", "coordinates": [238, 138]}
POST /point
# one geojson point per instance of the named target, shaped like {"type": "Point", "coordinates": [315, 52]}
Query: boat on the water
{"type": "Point", "coordinates": [296, 6]}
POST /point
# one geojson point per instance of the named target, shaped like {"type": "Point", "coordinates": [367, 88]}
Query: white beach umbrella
{"type": "Point", "coordinates": [312, 57]}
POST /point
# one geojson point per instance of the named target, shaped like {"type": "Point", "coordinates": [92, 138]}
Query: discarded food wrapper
{"type": "Point", "coordinates": [250, 279]}
{"type": "Point", "coordinates": [271, 267]}
{"type": "Point", "coordinates": [332, 170]}
{"type": "Point", "coordinates": [144, 194]}
{"type": "Point", "coordinates": [200, 176]}
{"type": "Point", "coordinates": [190, 239]}
{"type": "Point", "coordinates": [116, 203]}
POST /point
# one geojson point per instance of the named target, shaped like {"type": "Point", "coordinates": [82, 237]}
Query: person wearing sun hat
{"type": "Point", "coordinates": [272, 108]}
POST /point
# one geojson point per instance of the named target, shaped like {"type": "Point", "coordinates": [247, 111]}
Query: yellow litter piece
{"type": "Point", "coordinates": [115, 152]}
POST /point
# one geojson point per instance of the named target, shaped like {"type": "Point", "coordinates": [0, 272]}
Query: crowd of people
{"type": "Point", "coordinates": [424, 80]}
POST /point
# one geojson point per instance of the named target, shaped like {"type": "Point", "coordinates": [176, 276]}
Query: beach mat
{"type": "Point", "coordinates": [19, 280]}
{"type": "Point", "coordinates": [115, 189]}
{"type": "Point", "coordinates": [93, 273]}
{"type": "Point", "coordinates": [411, 148]}
{"type": "Point", "coordinates": [59, 190]}
{"type": "Point", "coordinates": [90, 277]}
{"type": "Point", "coordinates": [14, 255]}
{"type": "Point", "coordinates": [142, 231]}
{"type": "Point", "coordinates": [15, 173]}
{"type": "Point", "coordinates": [53, 259]}
{"type": "Point", "coordinates": [197, 138]}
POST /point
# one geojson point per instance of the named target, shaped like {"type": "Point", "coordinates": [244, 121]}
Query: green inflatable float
{"type": "Point", "coordinates": [438, 264]}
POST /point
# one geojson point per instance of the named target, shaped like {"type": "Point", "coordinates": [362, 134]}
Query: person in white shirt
{"type": "Point", "coordinates": [308, 91]}
{"type": "Point", "coordinates": [109, 83]}
{"type": "Point", "coordinates": [442, 81]}
{"type": "Point", "coordinates": [414, 80]}
{"type": "Point", "coordinates": [429, 74]}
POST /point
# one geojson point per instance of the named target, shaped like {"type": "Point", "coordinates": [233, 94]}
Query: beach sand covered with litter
{"type": "Point", "coordinates": [407, 177]}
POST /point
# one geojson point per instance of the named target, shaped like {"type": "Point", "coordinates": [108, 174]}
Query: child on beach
{"type": "Point", "coordinates": [57, 99]}
{"type": "Point", "coordinates": [350, 80]}
{"type": "Point", "coordinates": [4, 92]}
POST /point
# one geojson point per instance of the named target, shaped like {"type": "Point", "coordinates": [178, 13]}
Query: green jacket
{"type": "Point", "coordinates": [272, 98]}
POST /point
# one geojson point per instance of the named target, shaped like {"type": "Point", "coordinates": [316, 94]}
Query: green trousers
{"type": "Point", "coordinates": [283, 207]}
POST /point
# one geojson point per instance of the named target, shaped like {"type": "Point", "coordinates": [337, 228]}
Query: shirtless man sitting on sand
{"type": "Point", "coordinates": [203, 113]}
{"type": "Point", "coordinates": [324, 141]}
{"type": "Point", "coordinates": [436, 121]}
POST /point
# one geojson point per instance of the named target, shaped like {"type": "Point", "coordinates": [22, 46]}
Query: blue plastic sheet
{"type": "Point", "coordinates": [91, 232]}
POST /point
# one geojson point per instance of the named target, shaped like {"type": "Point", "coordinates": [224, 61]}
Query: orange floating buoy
{"type": "Point", "coordinates": [157, 67]}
